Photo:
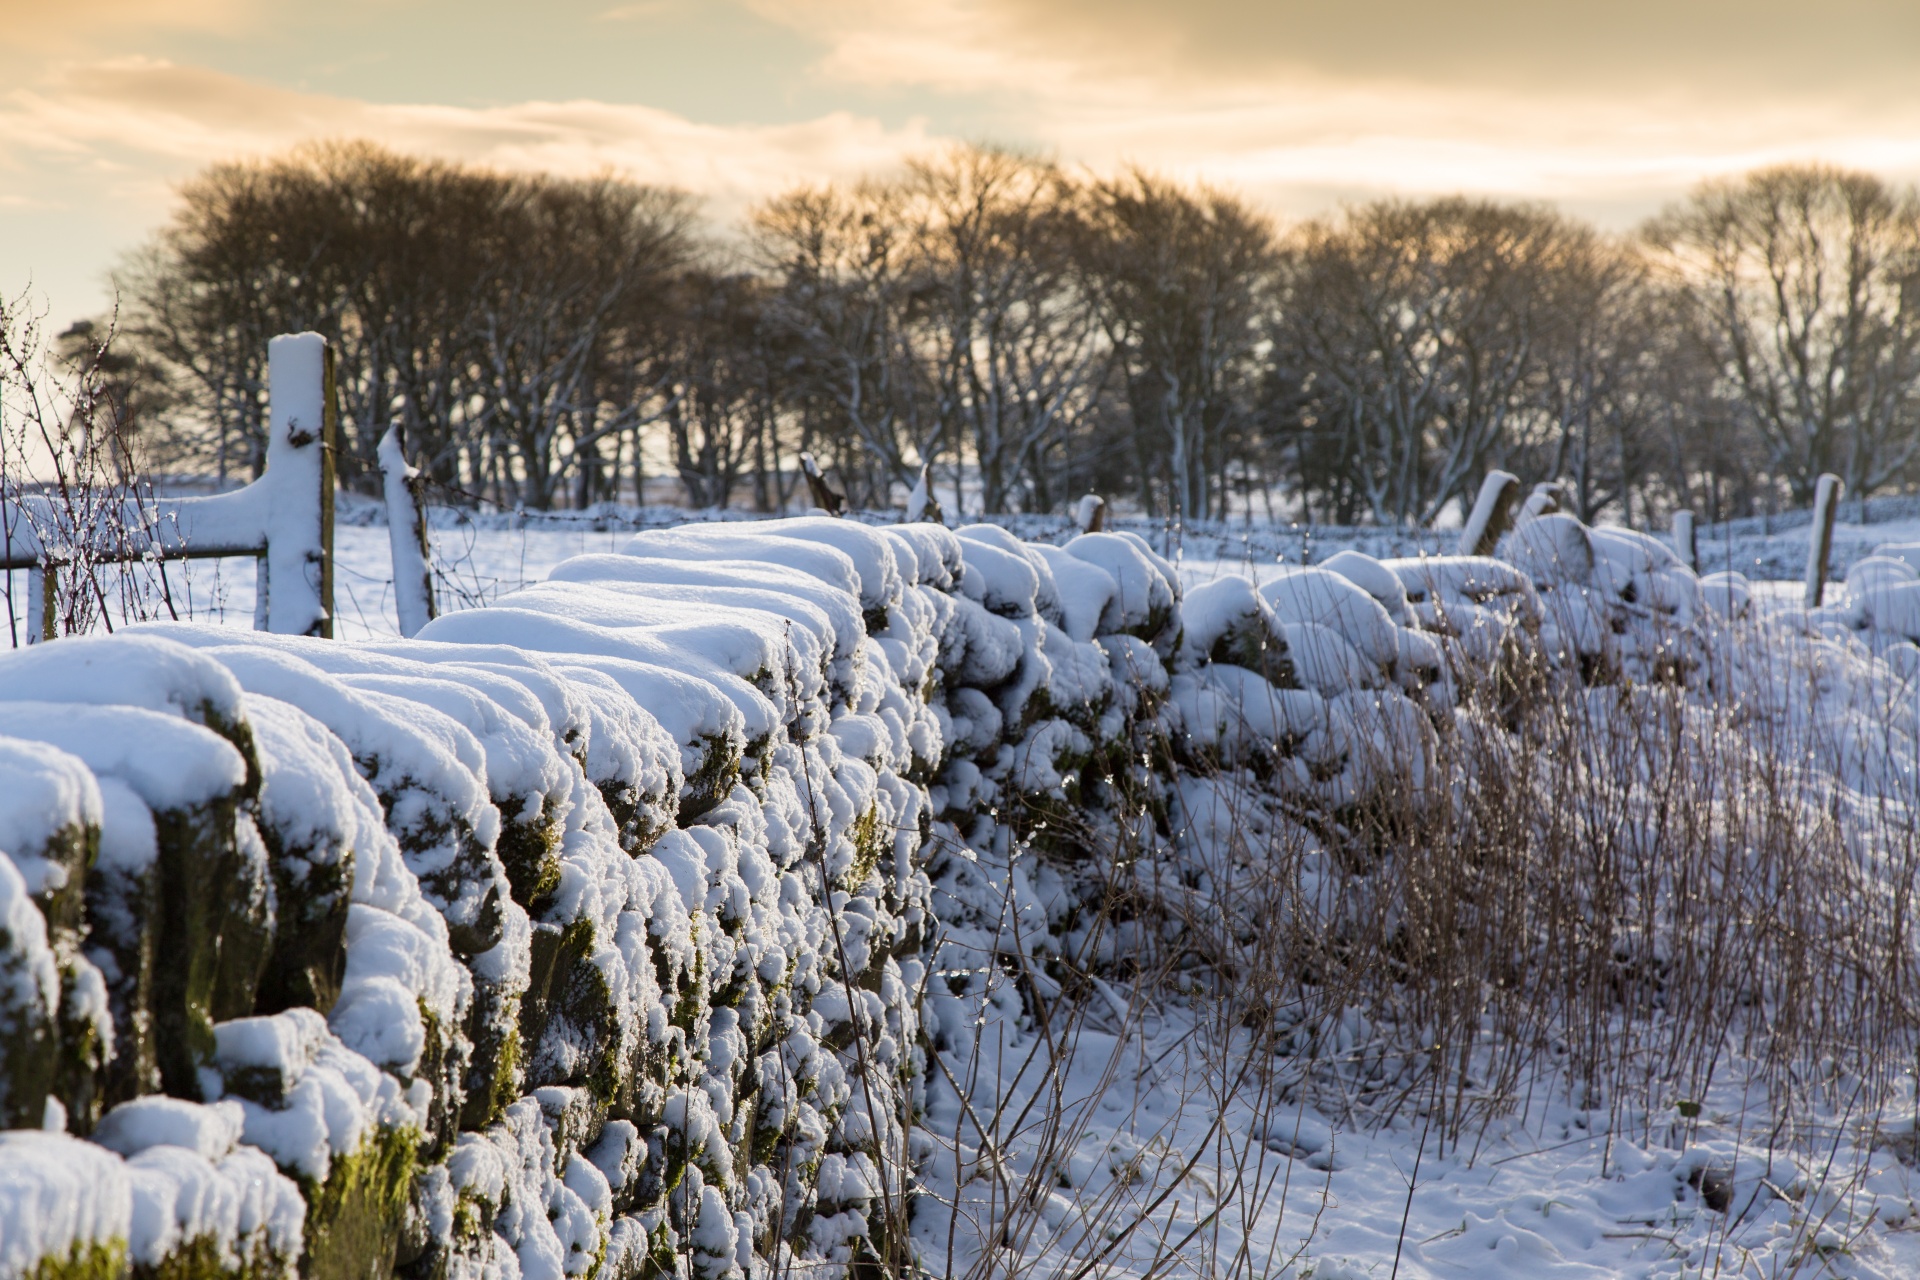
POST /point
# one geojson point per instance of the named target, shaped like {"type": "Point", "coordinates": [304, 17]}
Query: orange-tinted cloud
{"type": "Point", "coordinates": [1611, 108]}
{"type": "Point", "coordinates": [65, 26]}
{"type": "Point", "coordinates": [152, 121]}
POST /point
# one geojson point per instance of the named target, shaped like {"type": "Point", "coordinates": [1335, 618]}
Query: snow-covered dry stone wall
{"type": "Point", "coordinates": [607, 931]}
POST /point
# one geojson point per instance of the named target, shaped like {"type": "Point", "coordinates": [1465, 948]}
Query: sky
{"type": "Point", "coordinates": [1607, 109]}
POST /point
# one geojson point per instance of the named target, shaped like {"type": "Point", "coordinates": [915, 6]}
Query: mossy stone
{"type": "Point", "coordinates": [529, 848]}
{"type": "Point", "coordinates": [309, 957]}
{"type": "Point", "coordinates": [212, 927]}
{"type": "Point", "coordinates": [356, 1217]}
{"type": "Point", "coordinates": [201, 1259]}
{"type": "Point", "coordinates": [91, 1260]}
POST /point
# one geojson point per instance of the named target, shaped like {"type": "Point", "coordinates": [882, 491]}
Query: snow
{"type": "Point", "coordinates": [828, 564]}
{"type": "Point", "coordinates": [57, 1195]}
{"type": "Point", "coordinates": [798, 787]}
{"type": "Point", "coordinates": [1375, 579]}
{"type": "Point", "coordinates": [306, 1099]}
{"type": "Point", "coordinates": [43, 791]}
{"type": "Point", "coordinates": [126, 670]}
{"type": "Point", "coordinates": [1144, 585]}
{"type": "Point", "coordinates": [168, 762]}
{"type": "Point", "coordinates": [250, 1212]}
{"type": "Point", "coordinates": [210, 1132]}
{"type": "Point", "coordinates": [686, 682]}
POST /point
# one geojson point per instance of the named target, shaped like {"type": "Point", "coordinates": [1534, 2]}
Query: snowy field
{"type": "Point", "coordinates": [477, 563]}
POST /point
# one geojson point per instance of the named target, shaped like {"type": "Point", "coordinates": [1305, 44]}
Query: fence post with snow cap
{"type": "Point", "coordinates": [1827, 493]}
{"type": "Point", "coordinates": [1685, 545]}
{"type": "Point", "coordinates": [1492, 514]}
{"type": "Point", "coordinates": [285, 518]}
{"type": "Point", "coordinates": [413, 601]}
{"type": "Point", "coordinates": [1545, 500]}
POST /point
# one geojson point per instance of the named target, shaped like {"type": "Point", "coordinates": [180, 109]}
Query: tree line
{"type": "Point", "coordinates": [1030, 334]}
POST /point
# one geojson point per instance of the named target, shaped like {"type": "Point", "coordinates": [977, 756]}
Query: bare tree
{"type": "Point", "coordinates": [839, 258]}
{"type": "Point", "coordinates": [1013, 348]}
{"type": "Point", "coordinates": [1184, 280]}
{"type": "Point", "coordinates": [1420, 328]}
{"type": "Point", "coordinates": [1803, 284]}
{"type": "Point", "coordinates": [721, 411]}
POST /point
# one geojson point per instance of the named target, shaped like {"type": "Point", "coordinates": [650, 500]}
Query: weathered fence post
{"type": "Point", "coordinates": [823, 495]}
{"type": "Point", "coordinates": [1492, 514]}
{"type": "Point", "coordinates": [43, 610]}
{"type": "Point", "coordinates": [1826, 500]}
{"type": "Point", "coordinates": [1684, 543]}
{"type": "Point", "coordinates": [407, 534]}
{"type": "Point", "coordinates": [300, 476]}
{"type": "Point", "coordinates": [921, 504]}
{"type": "Point", "coordinates": [1090, 513]}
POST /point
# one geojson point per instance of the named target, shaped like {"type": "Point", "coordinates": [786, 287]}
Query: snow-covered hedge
{"type": "Point", "coordinates": [605, 931]}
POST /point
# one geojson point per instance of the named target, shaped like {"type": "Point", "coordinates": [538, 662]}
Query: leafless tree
{"type": "Point", "coordinates": [839, 260]}
{"type": "Point", "coordinates": [1013, 349]}
{"type": "Point", "coordinates": [1802, 282]}
{"type": "Point", "coordinates": [1421, 327]}
{"type": "Point", "coordinates": [1184, 279]}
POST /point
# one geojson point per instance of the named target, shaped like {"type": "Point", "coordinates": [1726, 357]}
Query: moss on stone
{"type": "Point", "coordinates": [130, 903]}
{"type": "Point", "coordinates": [567, 986]}
{"type": "Point", "coordinates": [308, 959]}
{"type": "Point", "coordinates": [871, 841]}
{"type": "Point", "coordinates": [77, 1068]}
{"type": "Point", "coordinates": [86, 1260]}
{"type": "Point", "coordinates": [355, 1218]}
{"type": "Point", "coordinates": [492, 1079]}
{"type": "Point", "coordinates": [202, 1258]}
{"type": "Point", "coordinates": [529, 848]}
{"type": "Point", "coordinates": [215, 943]}
{"type": "Point", "coordinates": [641, 819]}
{"type": "Point", "coordinates": [73, 848]}
{"type": "Point", "coordinates": [712, 782]}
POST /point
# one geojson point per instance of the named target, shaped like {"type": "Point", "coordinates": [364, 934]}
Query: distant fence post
{"type": "Point", "coordinates": [402, 484]}
{"type": "Point", "coordinates": [1826, 500]}
{"type": "Point", "coordinates": [43, 589]}
{"type": "Point", "coordinates": [1492, 514]}
{"type": "Point", "coordinates": [1545, 500]}
{"type": "Point", "coordinates": [1684, 543]}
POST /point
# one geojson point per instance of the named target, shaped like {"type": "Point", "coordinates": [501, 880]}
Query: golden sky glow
{"type": "Point", "coordinates": [1609, 109]}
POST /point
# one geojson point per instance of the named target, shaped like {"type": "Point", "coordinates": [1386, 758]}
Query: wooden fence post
{"type": "Point", "coordinates": [298, 487]}
{"type": "Point", "coordinates": [329, 446]}
{"type": "Point", "coordinates": [43, 608]}
{"type": "Point", "coordinates": [1492, 514]}
{"type": "Point", "coordinates": [403, 485]}
{"type": "Point", "coordinates": [1826, 500]}
{"type": "Point", "coordinates": [1685, 544]}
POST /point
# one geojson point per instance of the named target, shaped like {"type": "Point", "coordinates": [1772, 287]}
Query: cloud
{"type": "Point", "coordinates": [1775, 47]}
{"type": "Point", "coordinates": [144, 122]}
{"type": "Point", "coordinates": [71, 25]}
{"type": "Point", "coordinates": [89, 156]}
{"type": "Point", "coordinates": [1610, 109]}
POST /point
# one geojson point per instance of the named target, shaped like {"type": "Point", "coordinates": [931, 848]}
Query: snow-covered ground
{"type": "Point", "coordinates": [1556, 1193]}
